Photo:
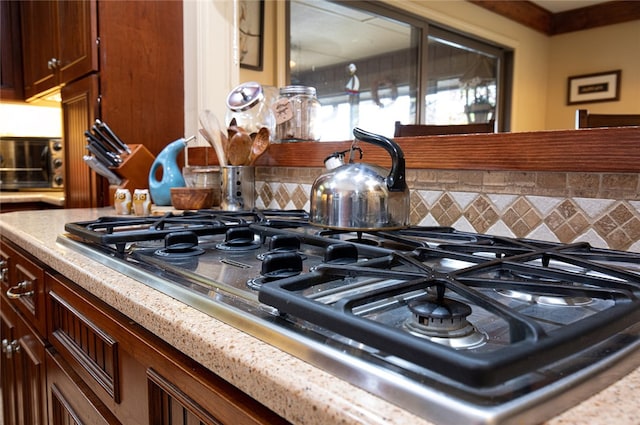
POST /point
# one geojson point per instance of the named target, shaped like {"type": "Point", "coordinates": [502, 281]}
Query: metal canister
{"type": "Point", "coordinates": [297, 114]}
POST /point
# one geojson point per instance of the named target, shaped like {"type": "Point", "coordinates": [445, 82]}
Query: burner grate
{"type": "Point", "coordinates": [536, 338]}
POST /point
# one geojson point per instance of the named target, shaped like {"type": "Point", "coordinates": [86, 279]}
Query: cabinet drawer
{"type": "Point", "coordinates": [71, 400]}
{"type": "Point", "coordinates": [23, 284]}
{"type": "Point", "coordinates": [81, 341]}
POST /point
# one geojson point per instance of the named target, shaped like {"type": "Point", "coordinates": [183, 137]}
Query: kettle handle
{"type": "Point", "coordinates": [395, 179]}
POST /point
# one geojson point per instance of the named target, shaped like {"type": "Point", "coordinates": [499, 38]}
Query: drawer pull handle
{"type": "Point", "coordinates": [4, 270]}
{"type": "Point", "coordinates": [22, 289]}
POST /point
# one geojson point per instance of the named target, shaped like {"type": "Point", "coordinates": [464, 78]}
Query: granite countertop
{"type": "Point", "coordinates": [53, 197]}
{"type": "Point", "coordinates": [294, 389]}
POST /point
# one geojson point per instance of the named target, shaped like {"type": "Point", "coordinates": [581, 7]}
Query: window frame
{"type": "Point", "coordinates": [425, 28]}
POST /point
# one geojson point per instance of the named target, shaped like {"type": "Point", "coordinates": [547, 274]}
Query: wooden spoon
{"type": "Point", "coordinates": [239, 148]}
{"type": "Point", "coordinates": [259, 145]}
{"type": "Point", "coordinates": [211, 126]}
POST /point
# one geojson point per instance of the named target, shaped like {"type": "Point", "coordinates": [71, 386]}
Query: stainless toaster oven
{"type": "Point", "coordinates": [31, 163]}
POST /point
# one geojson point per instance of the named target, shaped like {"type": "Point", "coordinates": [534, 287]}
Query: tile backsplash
{"type": "Point", "coordinates": [600, 208]}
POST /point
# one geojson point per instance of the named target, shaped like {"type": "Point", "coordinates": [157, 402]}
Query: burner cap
{"type": "Point", "coordinates": [443, 321]}
{"type": "Point", "coordinates": [239, 239]}
{"type": "Point", "coordinates": [179, 245]}
{"type": "Point", "coordinates": [431, 310]}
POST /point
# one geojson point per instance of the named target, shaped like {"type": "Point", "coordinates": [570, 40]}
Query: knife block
{"type": "Point", "coordinates": [134, 170]}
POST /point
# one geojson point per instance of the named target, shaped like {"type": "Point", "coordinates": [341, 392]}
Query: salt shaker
{"type": "Point", "coordinates": [122, 201]}
{"type": "Point", "coordinates": [141, 202]}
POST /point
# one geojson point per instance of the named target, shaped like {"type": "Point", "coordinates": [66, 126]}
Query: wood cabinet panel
{"type": "Point", "coordinates": [11, 82]}
{"type": "Point", "coordinates": [170, 406]}
{"type": "Point", "coordinates": [59, 43]}
{"type": "Point", "coordinates": [78, 40]}
{"type": "Point", "coordinates": [146, 396]}
{"type": "Point", "coordinates": [71, 401]}
{"type": "Point", "coordinates": [24, 365]}
{"type": "Point", "coordinates": [141, 71]}
{"type": "Point", "coordinates": [82, 187]}
{"type": "Point", "coordinates": [39, 41]}
{"type": "Point", "coordinates": [90, 347]}
{"type": "Point", "coordinates": [25, 286]}
{"type": "Point", "coordinates": [7, 365]}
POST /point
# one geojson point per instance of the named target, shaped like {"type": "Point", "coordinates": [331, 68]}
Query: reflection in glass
{"type": "Point", "coordinates": [371, 70]}
{"type": "Point", "coordinates": [365, 73]}
{"type": "Point", "coordinates": [461, 86]}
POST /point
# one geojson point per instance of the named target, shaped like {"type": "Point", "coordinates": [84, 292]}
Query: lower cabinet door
{"type": "Point", "coordinates": [22, 370]}
{"type": "Point", "coordinates": [170, 406]}
{"type": "Point", "coordinates": [70, 401]}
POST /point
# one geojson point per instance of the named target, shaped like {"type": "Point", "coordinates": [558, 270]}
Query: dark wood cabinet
{"type": "Point", "coordinates": [59, 40]}
{"type": "Point", "coordinates": [119, 61]}
{"type": "Point", "coordinates": [21, 321]}
{"type": "Point", "coordinates": [138, 377]}
{"type": "Point", "coordinates": [77, 360]}
{"type": "Point", "coordinates": [80, 108]}
{"type": "Point", "coordinates": [70, 400]}
{"type": "Point", "coordinates": [23, 369]}
{"type": "Point", "coordinates": [11, 85]}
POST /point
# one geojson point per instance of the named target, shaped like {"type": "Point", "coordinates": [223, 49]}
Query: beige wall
{"type": "Point", "coordinates": [597, 50]}
{"type": "Point", "coordinates": [542, 63]}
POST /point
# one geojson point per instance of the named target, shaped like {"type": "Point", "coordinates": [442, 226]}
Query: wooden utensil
{"type": "Point", "coordinates": [259, 146]}
{"type": "Point", "coordinates": [211, 126]}
{"type": "Point", "coordinates": [239, 148]}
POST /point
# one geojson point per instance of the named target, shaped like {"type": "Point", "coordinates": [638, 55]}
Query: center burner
{"type": "Point", "coordinates": [444, 321]}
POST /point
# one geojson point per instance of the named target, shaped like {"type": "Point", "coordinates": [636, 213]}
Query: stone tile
{"type": "Point", "coordinates": [621, 214]}
{"type": "Point", "coordinates": [496, 178]}
{"type": "Point", "coordinates": [551, 180]}
{"type": "Point", "coordinates": [605, 226]}
{"type": "Point", "coordinates": [281, 196]}
{"type": "Point", "coordinates": [299, 197]}
{"type": "Point", "coordinates": [584, 183]}
{"type": "Point", "coordinates": [627, 181]}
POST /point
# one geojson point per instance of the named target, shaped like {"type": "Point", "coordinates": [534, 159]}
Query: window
{"type": "Point", "coordinates": [370, 63]}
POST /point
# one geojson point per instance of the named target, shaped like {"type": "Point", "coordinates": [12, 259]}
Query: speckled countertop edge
{"type": "Point", "coordinates": [294, 389]}
{"type": "Point", "coordinates": [53, 197]}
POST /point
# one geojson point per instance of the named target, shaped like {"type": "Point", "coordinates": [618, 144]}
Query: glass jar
{"type": "Point", "coordinates": [250, 105]}
{"type": "Point", "coordinates": [297, 114]}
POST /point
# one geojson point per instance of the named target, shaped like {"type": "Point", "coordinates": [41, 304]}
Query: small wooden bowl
{"type": "Point", "coordinates": [191, 198]}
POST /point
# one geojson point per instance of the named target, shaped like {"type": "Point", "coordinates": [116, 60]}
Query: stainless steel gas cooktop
{"type": "Point", "coordinates": [449, 325]}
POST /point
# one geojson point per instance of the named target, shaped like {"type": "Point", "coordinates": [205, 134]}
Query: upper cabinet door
{"type": "Point", "coordinates": [39, 40]}
{"type": "Point", "coordinates": [59, 43]}
{"type": "Point", "coordinates": [78, 36]}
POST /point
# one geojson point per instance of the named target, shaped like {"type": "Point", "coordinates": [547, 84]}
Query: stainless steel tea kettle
{"type": "Point", "coordinates": [358, 196]}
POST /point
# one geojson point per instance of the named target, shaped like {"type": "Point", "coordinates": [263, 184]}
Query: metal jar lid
{"type": "Point", "coordinates": [297, 90]}
{"type": "Point", "coordinates": [245, 96]}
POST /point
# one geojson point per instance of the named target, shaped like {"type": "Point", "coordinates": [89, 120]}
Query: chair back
{"type": "Point", "coordinates": [586, 120]}
{"type": "Point", "coordinates": [409, 130]}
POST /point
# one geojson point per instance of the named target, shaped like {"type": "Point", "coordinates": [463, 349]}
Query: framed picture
{"type": "Point", "coordinates": [251, 28]}
{"type": "Point", "coordinates": [600, 87]}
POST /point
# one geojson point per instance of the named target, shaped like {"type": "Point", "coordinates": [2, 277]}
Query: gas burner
{"type": "Point", "coordinates": [239, 239]}
{"type": "Point", "coordinates": [443, 321]}
{"type": "Point", "coordinates": [283, 243]}
{"type": "Point", "coordinates": [275, 266]}
{"type": "Point", "coordinates": [179, 245]}
{"type": "Point", "coordinates": [550, 300]}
